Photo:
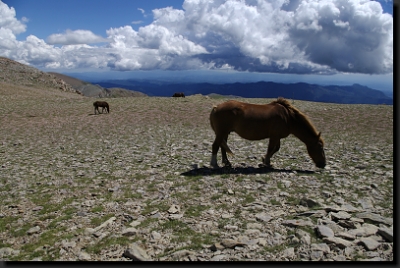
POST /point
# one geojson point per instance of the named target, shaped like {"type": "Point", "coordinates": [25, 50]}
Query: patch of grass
{"type": "Point", "coordinates": [161, 206]}
{"type": "Point", "coordinates": [107, 242]}
{"type": "Point", "coordinates": [195, 211]}
{"type": "Point", "coordinates": [99, 220]}
{"type": "Point", "coordinates": [216, 197]}
{"type": "Point", "coordinates": [274, 202]}
{"type": "Point", "coordinates": [129, 194]}
{"type": "Point", "coordinates": [147, 222]}
{"type": "Point", "coordinates": [248, 198]}
{"type": "Point", "coordinates": [99, 208]}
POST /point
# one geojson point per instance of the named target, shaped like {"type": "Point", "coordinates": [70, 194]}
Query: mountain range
{"type": "Point", "coordinates": [354, 94]}
{"type": "Point", "coordinates": [17, 73]}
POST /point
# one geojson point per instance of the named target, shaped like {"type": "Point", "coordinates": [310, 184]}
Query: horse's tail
{"type": "Point", "coordinates": [225, 146]}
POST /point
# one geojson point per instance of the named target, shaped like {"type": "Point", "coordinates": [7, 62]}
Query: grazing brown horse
{"type": "Point", "coordinates": [103, 105]}
{"type": "Point", "coordinates": [178, 94]}
{"type": "Point", "coordinates": [275, 121]}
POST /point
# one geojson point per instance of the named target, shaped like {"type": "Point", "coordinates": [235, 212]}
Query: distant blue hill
{"type": "Point", "coordinates": [354, 94]}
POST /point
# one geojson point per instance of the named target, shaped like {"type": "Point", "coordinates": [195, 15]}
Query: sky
{"type": "Point", "coordinates": [321, 41]}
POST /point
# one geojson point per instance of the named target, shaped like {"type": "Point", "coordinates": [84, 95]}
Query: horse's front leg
{"type": "Point", "coordinates": [273, 147]}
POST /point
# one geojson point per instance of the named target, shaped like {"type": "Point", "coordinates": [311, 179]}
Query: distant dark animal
{"type": "Point", "coordinates": [275, 120]}
{"type": "Point", "coordinates": [104, 105]}
{"type": "Point", "coordinates": [178, 94]}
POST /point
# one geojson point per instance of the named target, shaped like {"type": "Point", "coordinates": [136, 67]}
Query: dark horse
{"type": "Point", "coordinates": [178, 94]}
{"type": "Point", "coordinates": [103, 105]}
{"type": "Point", "coordinates": [275, 121]}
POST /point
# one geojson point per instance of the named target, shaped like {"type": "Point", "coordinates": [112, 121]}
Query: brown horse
{"type": "Point", "coordinates": [178, 94]}
{"type": "Point", "coordinates": [103, 105]}
{"type": "Point", "coordinates": [275, 120]}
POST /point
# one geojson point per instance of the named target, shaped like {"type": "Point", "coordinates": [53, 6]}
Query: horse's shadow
{"type": "Point", "coordinates": [240, 170]}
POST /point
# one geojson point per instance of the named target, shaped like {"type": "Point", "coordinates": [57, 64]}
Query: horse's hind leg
{"type": "Point", "coordinates": [225, 160]}
{"type": "Point", "coordinates": [215, 147]}
{"type": "Point", "coordinates": [273, 147]}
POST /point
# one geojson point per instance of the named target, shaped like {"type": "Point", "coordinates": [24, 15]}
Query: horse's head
{"type": "Point", "coordinates": [316, 151]}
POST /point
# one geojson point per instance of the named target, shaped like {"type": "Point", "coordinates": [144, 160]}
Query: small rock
{"type": "Point", "coordinates": [33, 230]}
{"type": "Point", "coordinates": [129, 231]}
{"type": "Point", "coordinates": [155, 235]}
{"type": "Point", "coordinates": [174, 209]}
{"type": "Point", "coordinates": [289, 253]}
{"type": "Point", "coordinates": [316, 255]}
{"type": "Point", "coordinates": [217, 246]}
{"type": "Point", "coordinates": [83, 256]}
{"type": "Point", "coordinates": [230, 243]}
{"type": "Point", "coordinates": [219, 257]}
{"type": "Point", "coordinates": [135, 252]}
{"type": "Point", "coordinates": [307, 202]}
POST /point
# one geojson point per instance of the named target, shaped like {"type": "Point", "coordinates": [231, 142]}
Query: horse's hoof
{"type": "Point", "coordinates": [264, 166]}
{"type": "Point", "coordinates": [228, 165]}
{"type": "Point", "coordinates": [214, 166]}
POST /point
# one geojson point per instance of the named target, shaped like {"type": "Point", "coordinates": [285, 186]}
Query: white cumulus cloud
{"type": "Point", "coordinates": [285, 36]}
{"type": "Point", "coordinates": [75, 37]}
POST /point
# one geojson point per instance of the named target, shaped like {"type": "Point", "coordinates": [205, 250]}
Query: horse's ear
{"type": "Point", "coordinates": [319, 135]}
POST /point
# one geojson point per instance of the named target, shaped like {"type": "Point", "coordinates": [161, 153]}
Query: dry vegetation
{"type": "Point", "coordinates": [67, 170]}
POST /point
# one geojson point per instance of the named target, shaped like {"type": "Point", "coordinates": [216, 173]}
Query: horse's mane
{"type": "Point", "coordinates": [296, 114]}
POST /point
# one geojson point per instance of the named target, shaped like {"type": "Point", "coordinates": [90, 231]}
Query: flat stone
{"type": "Point", "coordinates": [386, 233]}
{"type": "Point", "coordinates": [369, 243]}
{"type": "Point", "coordinates": [365, 230]}
{"type": "Point", "coordinates": [219, 257]}
{"type": "Point", "coordinates": [263, 217]}
{"type": "Point", "coordinates": [375, 218]}
{"type": "Point", "coordinates": [324, 231]}
{"type": "Point", "coordinates": [347, 224]}
{"type": "Point", "coordinates": [341, 243]}
{"type": "Point", "coordinates": [341, 215]}
{"type": "Point", "coordinates": [346, 235]}
{"type": "Point", "coordinates": [296, 223]}
{"type": "Point", "coordinates": [320, 247]}
{"type": "Point", "coordinates": [314, 213]}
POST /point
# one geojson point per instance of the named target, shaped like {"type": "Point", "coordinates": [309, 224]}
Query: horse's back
{"type": "Point", "coordinates": [250, 121]}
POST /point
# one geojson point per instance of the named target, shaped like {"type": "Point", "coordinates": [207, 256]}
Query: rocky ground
{"type": "Point", "coordinates": [135, 184]}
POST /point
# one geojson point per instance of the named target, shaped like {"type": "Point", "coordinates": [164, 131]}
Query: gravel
{"type": "Point", "coordinates": [135, 184]}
